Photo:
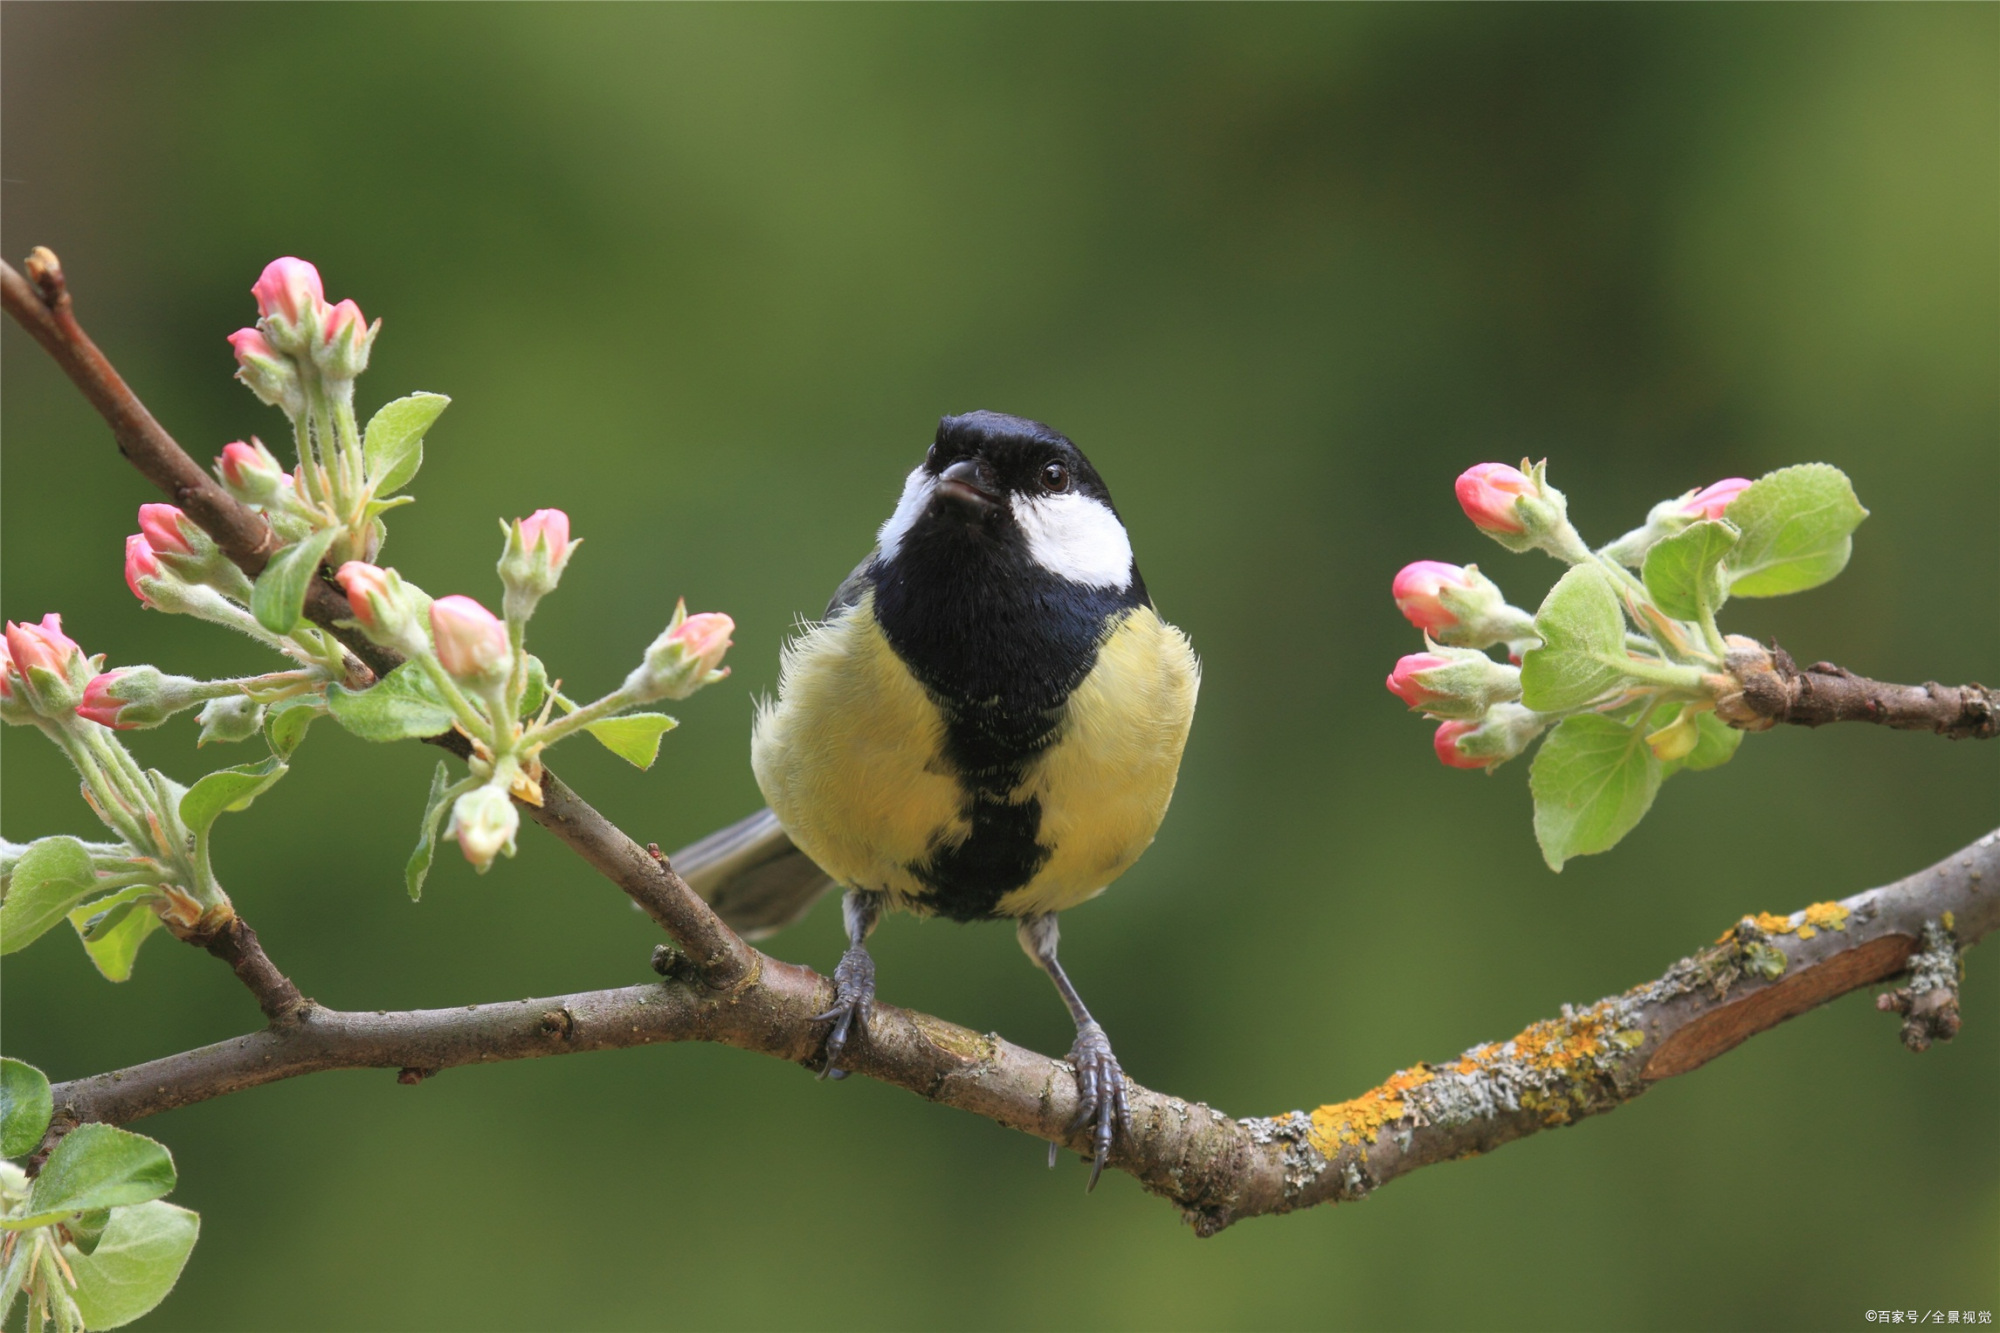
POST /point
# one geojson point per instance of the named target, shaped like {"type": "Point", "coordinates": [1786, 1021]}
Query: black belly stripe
{"type": "Point", "coordinates": [999, 643]}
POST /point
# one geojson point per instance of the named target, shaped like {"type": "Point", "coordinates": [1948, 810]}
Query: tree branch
{"type": "Point", "coordinates": [1771, 688]}
{"type": "Point", "coordinates": [1217, 1170]}
{"type": "Point", "coordinates": [237, 945]}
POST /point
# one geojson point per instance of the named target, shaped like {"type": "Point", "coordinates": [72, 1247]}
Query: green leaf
{"type": "Point", "coordinates": [25, 1107]}
{"type": "Point", "coordinates": [1684, 572]}
{"type": "Point", "coordinates": [1716, 745]}
{"type": "Point", "coordinates": [1593, 779]}
{"type": "Point", "coordinates": [287, 724]}
{"type": "Point", "coordinates": [95, 1166]}
{"type": "Point", "coordinates": [135, 1263]}
{"type": "Point", "coordinates": [635, 737]}
{"type": "Point", "coordinates": [51, 877]}
{"type": "Point", "coordinates": [403, 705]}
{"type": "Point", "coordinates": [113, 928]}
{"type": "Point", "coordinates": [536, 692]}
{"type": "Point", "coordinates": [441, 796]}
{"type": "Point", "coordinates": [393, 444]}
{"type": "Point", "coordinates": [1796, 524]}
{"type": "Point", "coordinates": [279, 598]}
{"type": "Point", "coordinates": [86, 1229]}
{"type": "Point", "coordinates": [1582, 626]}
{"type": "Point", "coordinates": [228, 789]}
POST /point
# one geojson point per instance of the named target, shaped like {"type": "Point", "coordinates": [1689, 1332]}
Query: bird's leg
{"type": "Point", "coordinates": [1100, 1083]}
{"type": "Point", "coordinates": [853, 980]}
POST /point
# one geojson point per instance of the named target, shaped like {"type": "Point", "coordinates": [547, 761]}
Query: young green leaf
{"type": "Point", "coordinates": [112, 929]}
{"type": "Point", "coordinates": [25, 1107]}
{"type": "Point", "coordinates": [1593, 779]}
{"type": "Point", "coordinates": [51, 877]}
{"type": "Point", "coordinates": [287, 724]}
{"type": "Point", "coordinates": [442, 794]}
{"type": "Point", "coordinates": [536, 692]}
{"type": "Point", "coordinates": [135, 1263]}
{"type": "Point", "coordinates": [95, 1166]}
{"type": "Point", "coordinates": [228, 789]}
{"type": "Point", "coordinates": [1684, 572]}
{"type": "Point", "coordinates": [1715, 746]}
{"type": "Point", "coordinates": [1583, 643]}
{"type": "Point", "coordinates": [403, 705]}
{"type": "Point", "coordinates": [635, 737]}
{"type": "Point", "coordinates": [393, 444]}
{"type": "Point", "coordinates": [1796, 525]}
{"type": "Point", "coordinates": [279, 599]}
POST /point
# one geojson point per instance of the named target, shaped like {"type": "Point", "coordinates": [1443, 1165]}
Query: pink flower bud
{"type": "Point", "coordinates": [1446, 743]}
{"type": "Point", "coordinates": [547, 529]}
{"type": "Point", "coordinates": [160, 524]}
{"type": "Point", "coordinates": [471, 641]}
{"type": "Point", "coordinates": [98, 704]}
{"type": "Point", "coordinates": [267, 373]}
{"type": "Point", "coordinates": [705, 638]}
{"type": "Point", "coordinates": [365, 585]}
{"type": "Point", "coordinates": [250, 471]}
{"type": "Point", "coordinates": [1489, 493]}
{"type": "Point", "coordinates": [250, 345]}
{"type": "Point", "coordinates": [344, 318]}
{"type": "Point", "coordinates": [288, 289]}
{"type": "Point", "coordinates": [140, 565]}
{"type": "Point", "coordinates": [44, 646]}
{"type": "Point", "coordinates": [1403, 683]}
{"type": "Point", "coordinates": [1711, 501]}
{"type": "Point", "coordinates": [1416, 592]}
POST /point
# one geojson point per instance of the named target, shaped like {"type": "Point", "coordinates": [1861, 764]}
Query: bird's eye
{"type": "Point", "coordinates": [1055, 478]}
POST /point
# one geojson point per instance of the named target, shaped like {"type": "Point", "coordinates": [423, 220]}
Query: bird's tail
{"type": "Point", "coordinates": [753, 875]}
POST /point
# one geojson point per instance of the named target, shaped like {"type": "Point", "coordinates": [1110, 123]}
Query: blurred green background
{"type": "Point", "coordinates": [706, 277]}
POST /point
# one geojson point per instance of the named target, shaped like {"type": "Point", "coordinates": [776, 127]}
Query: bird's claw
{"type": "Point", "coordinates": [1100, 1097]}
{"type": "Point", "coordinates": [853, 1003]}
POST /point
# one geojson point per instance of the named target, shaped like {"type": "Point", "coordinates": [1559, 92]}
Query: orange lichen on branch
{"type": "Point", "coordinates": [1811, 921]}
{"type": "Point", "coordinates": [1359, 1120]}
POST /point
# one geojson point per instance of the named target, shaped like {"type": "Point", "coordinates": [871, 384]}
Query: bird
{"type": "Point", "coordinates": [986, 724]}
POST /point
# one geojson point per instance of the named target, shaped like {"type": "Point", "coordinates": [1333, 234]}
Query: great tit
{"type": "Point", "coordinates": [986, 724]}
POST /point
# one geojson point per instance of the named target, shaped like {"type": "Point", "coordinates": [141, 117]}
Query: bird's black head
{"type": "Point", "coordinates": [995, 481]}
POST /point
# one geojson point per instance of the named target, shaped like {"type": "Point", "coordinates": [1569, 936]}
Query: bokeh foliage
{"type": "Point", "coordinates": [705, 277]}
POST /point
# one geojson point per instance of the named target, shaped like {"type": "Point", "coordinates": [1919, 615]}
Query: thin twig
{"type": "Point", "coordinates": [1771, 688]}
{"type": "Point", "coordinates": [237, 945]}
{"type": "Point", "coordinates": [1215, 1169]}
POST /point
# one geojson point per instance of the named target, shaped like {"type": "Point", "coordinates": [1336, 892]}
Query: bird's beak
{"type": "Point", "coordinates": [969, 482]}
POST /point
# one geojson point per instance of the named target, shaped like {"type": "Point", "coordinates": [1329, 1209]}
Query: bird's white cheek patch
{"type": "Point", "coordinates": [1077, 537]}
{"type": "Point", "coordinates": [917, 489]}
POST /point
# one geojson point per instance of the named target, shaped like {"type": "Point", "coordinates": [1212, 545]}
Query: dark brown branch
{"type": "Point", "coordinates": [237, 945]}
{"type": "Point", "coordinates": [1769, 688]}
{"type": "Point", "coordinates": [43, 307]}
{"type": "Point", "coordinates": [1216, 1169]}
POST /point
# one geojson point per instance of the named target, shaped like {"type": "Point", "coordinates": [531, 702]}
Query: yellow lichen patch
{"type": "Point", "coordinates": [1826, 916]}
{"type": "Point", "coordinates": [1359, 1120]}
{"type": "Point", "coordinates": [1818, 917]}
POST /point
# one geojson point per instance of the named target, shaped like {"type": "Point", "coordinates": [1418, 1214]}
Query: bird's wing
{"type": "Point", "coordinates": [753, 875]}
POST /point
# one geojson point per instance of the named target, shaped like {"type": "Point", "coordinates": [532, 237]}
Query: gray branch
{"type": "Point", "coordinates": [1217, 1170]}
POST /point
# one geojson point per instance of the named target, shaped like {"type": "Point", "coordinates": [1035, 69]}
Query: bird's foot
{"type": "Point", "coordinates": [1100, 1096]}
{"type": "Point", "coordinates": [854, 1001]}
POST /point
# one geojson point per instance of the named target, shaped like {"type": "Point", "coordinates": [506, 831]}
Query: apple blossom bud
{"type": "Point", "coordinates": [142, 567]}
{"type": "Point", "coordinates": [234, 718]}
{"type": "Point", "coordinates": [250, 472]}
{"type": "Point", "coordinates": [483, 824]}
{"type": "Point", "coordinates": [389, 611]}
{"type": "Point", "coordinates": [14, 709]}
{"type": "Point", "coordinates": [1519, 509]}
{"type": "Point", "coordinates": [471, 641]}
{"type": "Point", "coordinates": [684, 658]}
{"type": "Point", "coordinates": [1504, 732]}
{"type": "Point", "coordinates": [1458, 605]}
{"type": "Point", "coordinates": [538, 547]}
{"type": "Point", "coordinates": [1454, 682]}
{"type": "Point", "coordinates": [342, 352]}
{"type": "Point", "coordinates": [48, 665]}
{"type": "Point", "coordinates": [288, 289]}
{"type": "Point", "coordinates": [161, 525]}
{"type": "Point", "coordinates": [141, 696]}
{"type": "Point", "coordinates": [1712, 501]}
{"type": "Point", "coordinates": [178, 543]}
{"type": "Point", "coordinates": [269, 375]}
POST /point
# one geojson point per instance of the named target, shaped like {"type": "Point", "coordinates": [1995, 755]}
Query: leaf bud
{"type": "Point", "coordinates": [390, 612]}
{"type": "Point", "coordinates": [1519, 509]}
{"type": "Point", "coordinates": [483, 824]}
{"type": "Point", "coordinates": [538, 548]}
{"type": "Point", "coordinates": [233, 718]}
{"type": "Point", "coordinates": [1454, 682]}
{"type": "Point", "coordinates": [1458, 605]}
{"type": "Point", "coordinates": [471, 641]}
{"type": "Point", "coordinates": [1504, 732]}
{"type": "Point", "coordinates": [687, 656]}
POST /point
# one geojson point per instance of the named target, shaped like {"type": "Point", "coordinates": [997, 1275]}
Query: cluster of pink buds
{"type": "Point", "coordinates": [45, 673]}
{"type": "Point", "coordinates": [299, 336]}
